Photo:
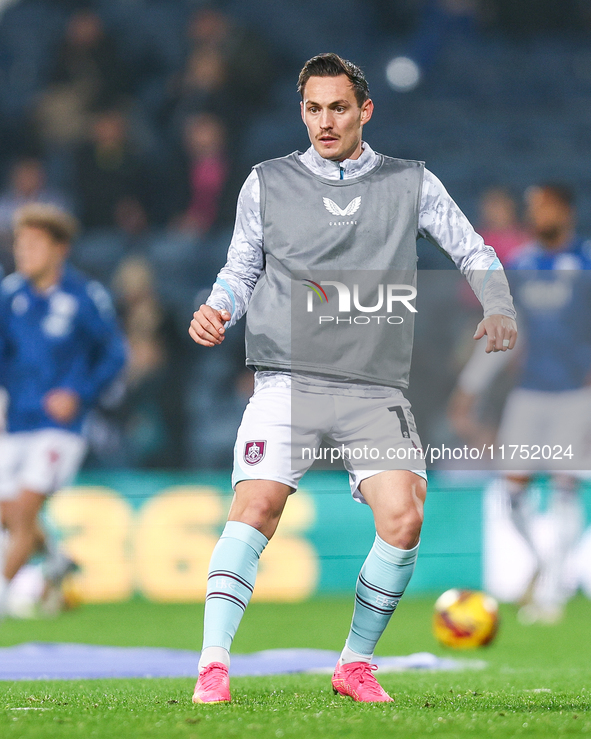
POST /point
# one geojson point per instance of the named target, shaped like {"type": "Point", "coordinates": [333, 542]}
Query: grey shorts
{"type": "Point", "coordinates": [285, 429]}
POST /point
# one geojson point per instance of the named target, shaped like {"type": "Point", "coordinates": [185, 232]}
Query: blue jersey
{"type": "Point", "coordinates": [552, 294]}
{"type": "Point", "coordinates": [65, 338]}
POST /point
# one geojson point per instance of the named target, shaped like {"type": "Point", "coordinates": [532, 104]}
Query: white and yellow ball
{"type": "Point", "coordinates": [465, 619]}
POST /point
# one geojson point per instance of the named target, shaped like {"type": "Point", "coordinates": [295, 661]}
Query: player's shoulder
{"type": "Point", "coordinates": [75, 283]}
{"type": "Point", "coordinates": [73, 279]}
{"type": "Point", "coordinates": [11, 284]}
{"type": "Point", "coordinates": [90, 292]}
{"type": "Point", "coordinates": [397, 163]}
{"type": "Point", "coordinates": [286, 161]}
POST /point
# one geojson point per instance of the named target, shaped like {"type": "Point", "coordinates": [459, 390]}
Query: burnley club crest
{"type": "Point", "coordinates": [254, 451]}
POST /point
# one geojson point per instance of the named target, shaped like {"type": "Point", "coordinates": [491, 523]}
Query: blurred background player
{"type": "Point", "coordinates": [59, 348]}
{"type": "Point", "coordinates": [27, 183]}
{"type": "Point", "coordinates": [551, 402]}
{"type": "Point", "coordinates": [499, 223]}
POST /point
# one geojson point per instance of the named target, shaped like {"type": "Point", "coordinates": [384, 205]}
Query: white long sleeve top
{"type": "Point", "coordinates": [440, 221]}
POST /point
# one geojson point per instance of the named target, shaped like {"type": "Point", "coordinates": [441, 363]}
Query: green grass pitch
{"type": "Point", "coordinates": [537, 682]}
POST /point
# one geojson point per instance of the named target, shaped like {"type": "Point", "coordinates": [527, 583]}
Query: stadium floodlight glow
{"type": "Point", "coordinates": [403, 74]}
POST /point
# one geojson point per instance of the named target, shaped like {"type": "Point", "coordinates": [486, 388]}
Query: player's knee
{"type": "Point", "coordinates": [24, 517]}
{"type": "Point", "coordinates": [403, 530]}
{"type": "Point", "coordinates": [262, 513]}
{"type": "Point", "coordinates": [259, 504]}
{"type": "Point", "coordinates": [19, 524]}
{"type": "Point", "coordinates": [410, 529]}
{"type": "Point", "coordinates": [5, 515]}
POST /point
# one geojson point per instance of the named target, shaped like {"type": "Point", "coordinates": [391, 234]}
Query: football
{"type": "Point", "coordinates": [465, 619]}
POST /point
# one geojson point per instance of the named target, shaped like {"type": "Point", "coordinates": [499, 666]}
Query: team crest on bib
{"type": "Point", "coordinates": [254, 451]}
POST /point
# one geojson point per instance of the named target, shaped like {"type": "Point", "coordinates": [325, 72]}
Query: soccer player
{"type": "Point", "coordinates": [551, 403]}
{"type": "Point", "coordinates": [60, 346]}
{"type": "Point", "coordinates": [339, 206]}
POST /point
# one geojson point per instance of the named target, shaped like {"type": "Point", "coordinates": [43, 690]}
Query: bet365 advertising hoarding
{"type": "Point", "coordinates": [153, 533]}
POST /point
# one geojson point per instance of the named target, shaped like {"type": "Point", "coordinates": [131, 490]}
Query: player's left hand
{"type": "Point", "coordinates": [61, 404]}
{"type": "Point", "coordinates": [500, 332]}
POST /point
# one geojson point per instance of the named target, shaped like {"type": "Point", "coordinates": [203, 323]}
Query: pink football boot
{"type": "Point", "coordinates": [213, 685]}
{"type": "Point", "coordinates": [355, 679]}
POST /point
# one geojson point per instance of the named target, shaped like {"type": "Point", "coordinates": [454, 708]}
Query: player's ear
{"type": "Point", "coordinates": [366, 111]}
{"type": "Point", "coordinates": [302, 111]}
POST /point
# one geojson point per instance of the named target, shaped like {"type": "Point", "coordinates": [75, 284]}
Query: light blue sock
{"type": "Point", "coordinates": [383, 579]}
{"type": "Point", "coordinates": [232, 574]}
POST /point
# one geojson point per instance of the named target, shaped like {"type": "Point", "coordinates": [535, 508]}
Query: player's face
{"type": "Point", "coordinates": [36, 254]}
{"type": "Point", "coordinates": [333, 117]}
{"type": "Point", "coordinates": [547, 214]}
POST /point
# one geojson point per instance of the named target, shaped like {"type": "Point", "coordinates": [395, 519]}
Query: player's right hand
{"type": "Point", "coordinates": [207, 326]}
{"type": "Point", "coordinates": [61, 404]}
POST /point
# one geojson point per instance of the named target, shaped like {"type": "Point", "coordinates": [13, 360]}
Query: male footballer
{"type": "Point", "coordinates": [550, 406]}
{"type": "Point", "coordinates": [60, 346]}
{"type": "Point", "coordinates": [338, 207]}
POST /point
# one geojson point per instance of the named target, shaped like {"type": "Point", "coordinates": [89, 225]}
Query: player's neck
{"type": "Point", "coordinates": [50, 278]}
{"type": "Point", "coordinates": [355, 154]}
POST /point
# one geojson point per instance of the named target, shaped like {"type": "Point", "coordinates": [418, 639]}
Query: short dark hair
{"type": "Point", "coordinates": [332, 65]}
{"type": "Point", "coordinates": [559, 191]}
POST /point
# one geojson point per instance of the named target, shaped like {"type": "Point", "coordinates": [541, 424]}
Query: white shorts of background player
{"type": "Point", "coordinates": [42, 461]}
{"type": "Point", "coordinates": [552, 421]}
